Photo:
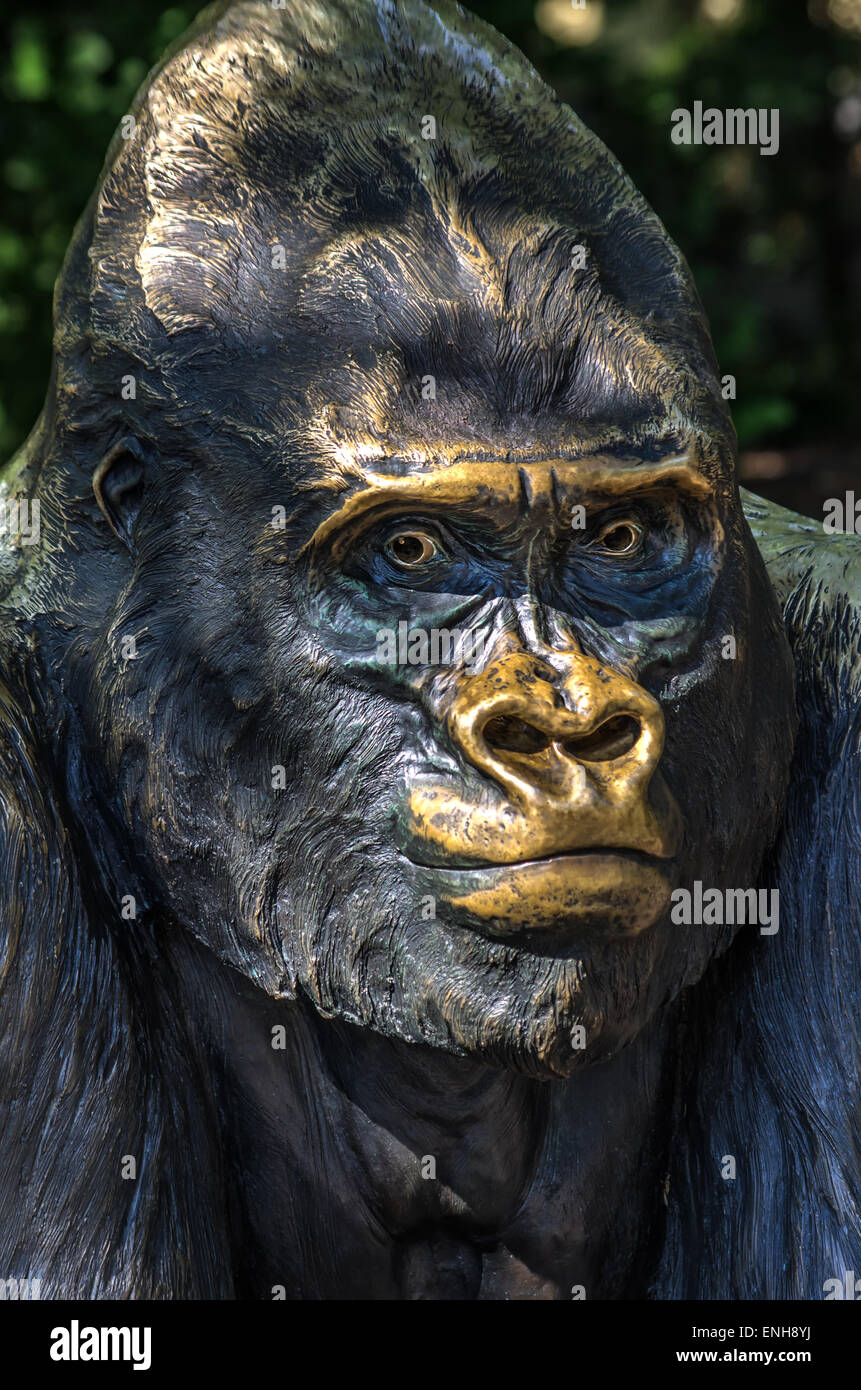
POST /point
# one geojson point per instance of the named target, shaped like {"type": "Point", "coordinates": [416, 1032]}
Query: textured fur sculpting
{"type": "Point", "coordinates": [298, 133]}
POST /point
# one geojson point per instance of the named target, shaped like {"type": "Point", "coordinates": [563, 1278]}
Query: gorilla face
{"type": "Point", "coordinates": [471, 847]}
{"type": "Point", "coordinates": [430, 548]}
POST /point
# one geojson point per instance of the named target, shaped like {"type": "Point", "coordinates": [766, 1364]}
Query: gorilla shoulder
{"type": "Point", "coordinates": [817, 578]}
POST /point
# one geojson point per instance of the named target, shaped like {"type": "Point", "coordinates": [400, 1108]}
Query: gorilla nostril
{"type": "Point", "coordinates": [612, 739]}
{"type": "Point", "coordinates": [509, 734]}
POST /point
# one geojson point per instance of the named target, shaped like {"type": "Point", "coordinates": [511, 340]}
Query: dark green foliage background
{"type": "Point", "coordinates": [773, 241]}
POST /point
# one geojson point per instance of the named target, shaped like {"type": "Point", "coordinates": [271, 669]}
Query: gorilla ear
{"type": "Point", "coordinates": [118, 484]}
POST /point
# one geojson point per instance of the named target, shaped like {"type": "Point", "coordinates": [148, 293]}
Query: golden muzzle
{"type": "Point", "coordinates": [581, 818]}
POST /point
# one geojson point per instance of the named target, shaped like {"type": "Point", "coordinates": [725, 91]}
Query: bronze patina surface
{"type": "Point", "coordinates": [371, 961]}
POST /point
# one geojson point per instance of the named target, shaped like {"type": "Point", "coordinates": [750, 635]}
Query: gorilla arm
{"type": "Point", "coordinates": [780, 1090]}
{"type": "Point", "coordinates": [83, 1077]}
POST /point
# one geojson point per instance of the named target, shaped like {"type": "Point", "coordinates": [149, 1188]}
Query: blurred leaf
{"type": "Point", "coordinates": [88, 54]}
{"type": "Point", "coordinates": [755, 419]}
{"type": "Point", "coordinates": [29, 66]}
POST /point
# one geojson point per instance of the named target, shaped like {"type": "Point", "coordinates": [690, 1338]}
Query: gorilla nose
{"type": "Point", "coordinates": [572, 744]}
{"type": "Point", "coordinates": [613, 738]}
{"type": "Point", "coordinates": [543, 749]}
{"type": "Point", "coordinates": [558, 730]}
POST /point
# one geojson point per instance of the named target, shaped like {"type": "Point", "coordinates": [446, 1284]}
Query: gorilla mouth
{"type": "Point", "coordinates": [464, 865]}
{"type": "Point", "coordinates": [627, 814]}
{"type": "Point", "coordinates": [616, 892]}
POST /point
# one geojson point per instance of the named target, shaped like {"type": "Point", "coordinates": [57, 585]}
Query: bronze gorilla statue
{"type": "Point", "coordinates": [332, 973]}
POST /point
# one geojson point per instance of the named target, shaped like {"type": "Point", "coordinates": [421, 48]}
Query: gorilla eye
{"type": "Point", "coordinates": [411, 548]}
{"type": "Point", "coordinates": [620, 537]}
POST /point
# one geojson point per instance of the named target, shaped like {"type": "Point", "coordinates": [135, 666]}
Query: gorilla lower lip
{"type": "Point", "coordinates": [615, 892]}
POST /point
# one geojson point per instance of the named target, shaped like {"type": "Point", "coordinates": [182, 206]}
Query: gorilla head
{"type": "Point", "coordinates": [395, 650]}
{"type": "Point", "coordinates": [364, 342]}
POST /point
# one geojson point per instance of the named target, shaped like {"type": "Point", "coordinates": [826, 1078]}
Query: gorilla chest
{"type": "Point", "coordinates": [368, 1173]}
{"type": "Point", "coordinates": [350, 1222]}
{"type": "Point", "coordinates": [443, 1266]}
